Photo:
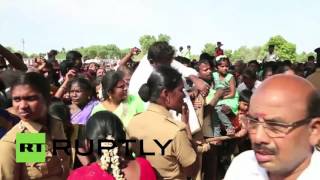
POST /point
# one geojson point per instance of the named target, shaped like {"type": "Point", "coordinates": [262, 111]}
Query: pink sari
{"type": "Point", "coordinates": [93, 172]}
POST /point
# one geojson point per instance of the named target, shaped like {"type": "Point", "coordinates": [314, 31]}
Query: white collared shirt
{"type": "Point", "coordinates": [144, 70]}
{"type": "Point", "coordinates": [271, 57]}
{"type": "Point", "coordinates": [245, 166]}
{"type": "Point", "coordinates": [242, 86]}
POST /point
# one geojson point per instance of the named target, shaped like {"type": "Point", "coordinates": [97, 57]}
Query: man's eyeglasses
{"type": "Point", "coordinates": [272, 128]}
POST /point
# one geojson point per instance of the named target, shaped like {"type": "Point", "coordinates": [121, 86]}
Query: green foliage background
{"type": "Point", "coordinates": [285, 50]}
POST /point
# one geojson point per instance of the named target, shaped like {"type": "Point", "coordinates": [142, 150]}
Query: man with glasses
{"type": "Point", "coordinates": [284, 128]}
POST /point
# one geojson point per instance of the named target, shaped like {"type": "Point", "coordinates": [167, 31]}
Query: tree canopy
{"type": "Point", "coordinates": [209, 48]}
{"type": "Point", "coordinates": [284, 49]}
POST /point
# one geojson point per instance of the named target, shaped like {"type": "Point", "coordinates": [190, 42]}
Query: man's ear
{"type": "Point", "coordinates": [314, 128]}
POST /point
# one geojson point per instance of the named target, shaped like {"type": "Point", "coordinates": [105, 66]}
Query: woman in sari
{"type": "Point", "coordinates": [82, 95]}
{"type": "Point", "coordinates": [116, 98]}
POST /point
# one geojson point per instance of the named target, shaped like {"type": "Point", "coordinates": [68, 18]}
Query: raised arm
{"type": "Point", "coordinates": [13, 60]}
{"type": "Point", "coordinates": [63, 88]}
{"type": "Point", "coordinates": [127, 58]}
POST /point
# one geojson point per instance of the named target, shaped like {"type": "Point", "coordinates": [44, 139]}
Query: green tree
{"type": "Point", "coordinates": [103, 54]}
{"type": "Point", "coordinates": [255, 51]}
{"type": "Point", "coordinates": [246, 54]}
{"type": "Point", "coordinates": [164, 37]}
{"type": "Point", "coordinates": [124, 52]}
{"type": "Point", "coordinates": [303, 57]}
{"type": "Point", "coordinates": [241, 53]}
{"type": "Point", "coordinates": [33, 55]}
{"type": "Point", "coordinates": [228, 52]}
{"type": "Point", "coordinates": [113, 51]}
{"type": "Point", "coordinates": [61, 56]}
{"type": "Point", "coordinates": [194, 57]}
{"type": "Point", "coordinates": [146, 41]}
{"type": "Point", "coordinates": [92, 53]}
{"type": "Point", "coordinates": [284, 49]}
{"type": "Point", "coordinates": [82, 50]}
{"type": "Point", "coordinates": [209, 48]}
{"type": "Point", "coordinates": [102, 51]}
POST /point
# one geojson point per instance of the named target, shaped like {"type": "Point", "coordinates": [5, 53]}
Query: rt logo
{"type": "Point", "coordinates": [30, 147]}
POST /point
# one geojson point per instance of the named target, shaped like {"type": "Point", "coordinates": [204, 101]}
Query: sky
{"type": "Point", "coordinates": [57, 24]}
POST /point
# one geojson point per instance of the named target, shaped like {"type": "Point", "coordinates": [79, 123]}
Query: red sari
{"type": "Point", "coordinates": [93, 172]}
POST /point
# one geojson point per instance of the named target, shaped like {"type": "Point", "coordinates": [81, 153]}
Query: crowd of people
{"type": "Point", "coordinates": [185, 119]}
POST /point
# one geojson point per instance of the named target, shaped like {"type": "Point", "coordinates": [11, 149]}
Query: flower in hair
{"type": "Point", "coordinates": [110, 158]}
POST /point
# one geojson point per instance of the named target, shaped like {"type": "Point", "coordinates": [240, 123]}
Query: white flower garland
{"type": "Point", "coordinates": [110, 158]}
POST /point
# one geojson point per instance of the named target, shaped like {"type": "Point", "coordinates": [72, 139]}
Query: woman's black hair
{"type": "Point", "coordinates": [102, 124]}
{"type": "Point", "coordinates": [183, 60]}
{"type": "Point", "coordinates": [164, 77]}
{"type": "Point", "coordinates": [37, 82]}
{"type": "Point", "coordinates": [109, 82]}
{"type": "Point", "coordinates": [84, 84]}
{"type": "Point", "coordinates": [58, 110]}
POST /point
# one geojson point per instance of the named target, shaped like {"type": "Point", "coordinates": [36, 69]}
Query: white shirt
{"type": "Point", "coordinates": [144, 70]}
{"type": "Point", "coordinates": [242, 86]}
{"type": "Point", "coordinates": [245, 166]}
{"type": "Point", "coordinates": [271, 57]}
